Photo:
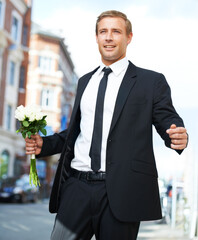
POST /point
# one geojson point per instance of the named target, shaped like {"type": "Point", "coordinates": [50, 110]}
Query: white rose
{"type": "Point", "coordinates": [39, 115]}
{"type": "Point", "coordinates": [32, 112]}
{"type": "Point", "coordinates": [28, 112]}
{"type": "Point", "coordinates": [20, 113]}
{"type": "Point", "coordinates": [32, 117]}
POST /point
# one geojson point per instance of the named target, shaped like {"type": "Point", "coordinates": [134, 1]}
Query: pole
{"type": "Point", "coordinates": [174, 202]}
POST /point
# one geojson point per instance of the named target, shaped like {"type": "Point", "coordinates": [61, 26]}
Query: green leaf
{"type": "Point", "coordinates": [24, 134]}
{"type": "Point", "coordinates": [29, 134]}
{"type": "Point", "coordinates": [43, 130]}
{"type": "Point", "coordinates": [17, 131]}
{"type": "Point", "coordinates": [25, 123]}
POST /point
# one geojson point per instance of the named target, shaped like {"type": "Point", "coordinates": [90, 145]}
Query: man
{"type": "Point", "coordinates": [106, 180]}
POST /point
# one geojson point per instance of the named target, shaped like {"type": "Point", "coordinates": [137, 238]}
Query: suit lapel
{"type": "Point", "coordinates": [125, 88]}
{"type": "Point", "coordinates": [84, 81]}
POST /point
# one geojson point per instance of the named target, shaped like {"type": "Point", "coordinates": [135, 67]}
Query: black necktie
{"type": "Point", "coordinates": [96, 143]}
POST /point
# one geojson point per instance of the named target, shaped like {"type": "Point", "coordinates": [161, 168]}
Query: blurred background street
{"type": "Point", "coordinates": [33, 221]}
{"type": "Point", "coordinates": [25, 221]}
{"type": "Point", "coordinates": [160, 231]}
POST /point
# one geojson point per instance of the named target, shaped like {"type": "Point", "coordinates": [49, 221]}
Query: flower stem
{"type": "Point", "coordinates": [33, 173]}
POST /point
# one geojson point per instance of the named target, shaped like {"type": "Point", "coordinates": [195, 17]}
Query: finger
{"type": "Point", "coordinates": [178, 147]}
{"type": "Point", "coordinates": [178, 142]}
{"type": "Point", "coordinates": [30, 149]}
{"type": "Point", "coordinates": [30, 152]}
{"type": "Point", "coordinates": [33, 145]}
{"type": "Point", "coordinates": [176, 130]}
{"type": "Point", "coordinates": [173, 126]}
{"type": "Point", "coordinates": [178, 136]}
{"type": "Point", "coordinates": [36, 136]}
{"type": "Point", "coordinates": [29, 140]}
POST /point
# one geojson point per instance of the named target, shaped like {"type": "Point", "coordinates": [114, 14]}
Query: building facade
{"type": "Point", "coordinates": [15, 26]}
{"type": "Point", "coordinates": [51, 85]}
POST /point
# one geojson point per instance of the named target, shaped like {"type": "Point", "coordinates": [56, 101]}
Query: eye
{"type": "Point", "coordinates": [102, 31]}
{"type": "Point", "coordinates": [116, 31]}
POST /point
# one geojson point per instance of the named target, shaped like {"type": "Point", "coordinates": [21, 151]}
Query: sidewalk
{"type": "Point", "coordinates": [159, 231]}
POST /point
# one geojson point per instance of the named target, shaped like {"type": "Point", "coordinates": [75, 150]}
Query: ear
{"type": "Point", "coordinates": [129, 37]}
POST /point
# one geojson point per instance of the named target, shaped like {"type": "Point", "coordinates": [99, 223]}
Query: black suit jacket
{"type": "Point", "coordinates": [143, 100]}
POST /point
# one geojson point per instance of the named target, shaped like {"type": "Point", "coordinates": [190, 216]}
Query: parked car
{"type": "Point", "coordinates": [18, 190]}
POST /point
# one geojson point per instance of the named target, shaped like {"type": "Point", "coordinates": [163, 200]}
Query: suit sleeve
{"type": "Point", "coordinates": [53, 144]}
{"type": "Point", "coordinates": [164, 114]}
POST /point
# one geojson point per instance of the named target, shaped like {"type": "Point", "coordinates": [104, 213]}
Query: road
{"type": "Point", "coordinates": [25, 221]}
{"type": "Point", "coordinates": [34, 222]}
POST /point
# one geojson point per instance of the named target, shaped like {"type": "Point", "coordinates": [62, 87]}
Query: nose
{"type": "Point", "coordinates": [109, 36]}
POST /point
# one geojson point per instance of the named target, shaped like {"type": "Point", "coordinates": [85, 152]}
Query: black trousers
{"type": "Point", "coordinates": [84, 211]}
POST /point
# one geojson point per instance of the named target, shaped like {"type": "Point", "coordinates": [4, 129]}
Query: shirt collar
{"type": "Point", "coordinates": [116, 67]}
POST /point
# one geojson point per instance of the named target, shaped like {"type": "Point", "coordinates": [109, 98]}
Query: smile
{"type": "Point", "coordinates": [109, 46]}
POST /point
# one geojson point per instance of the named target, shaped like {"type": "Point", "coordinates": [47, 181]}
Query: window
{"type": "Point", "coordinates": [4, 160]}
{"type": "Point", "coordinates": [45, 64]}
{"type": "Point", "coordinates": [2, 12]}
{"type": "Point", "coordinates": [25, 35]}
{"type": "Point", "coordinates": [18, 124]}
{"type": "Point", "coordinates": [8, 117]}
{"type": "Point", "coordinates": [47, 98]}
{"type": "Point", "coordinates": [11, 75]}
{"type": "Point", "coordinates": [22, 78]}
{"type": "Point", "coordinates": [15, 28]}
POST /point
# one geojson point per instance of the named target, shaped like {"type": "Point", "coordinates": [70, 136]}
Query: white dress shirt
{"type": "Point", "coordinates": [82, 161]}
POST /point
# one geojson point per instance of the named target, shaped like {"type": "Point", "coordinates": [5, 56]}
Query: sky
{"type": "Point", "coordinates": [165, 39]}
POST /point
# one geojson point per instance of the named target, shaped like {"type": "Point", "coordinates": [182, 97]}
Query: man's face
{"type": "Point", "coordinates": [112, 39]}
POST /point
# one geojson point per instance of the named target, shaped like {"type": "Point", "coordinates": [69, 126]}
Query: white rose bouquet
{"type": "Point", "coordinates": [32, 121]}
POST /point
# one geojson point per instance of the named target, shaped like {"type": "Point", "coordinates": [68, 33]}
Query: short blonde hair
{"type": "Point", "coordinates": [114, 13]}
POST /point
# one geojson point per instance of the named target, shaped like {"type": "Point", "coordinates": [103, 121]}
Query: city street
{"type": "Point", "coordinates": [25, 221]}
{"type": "Point", "coordinates": [160, 231]}
{"type": "Point", "coordinates": [34, 222]}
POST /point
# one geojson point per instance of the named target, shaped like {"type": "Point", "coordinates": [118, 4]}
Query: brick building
{"type": "Point", "coordinates": [15, 25]}
{"type": "Point", "coordinates": [51, 84]}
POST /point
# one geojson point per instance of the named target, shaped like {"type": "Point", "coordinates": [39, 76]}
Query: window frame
{"type": "Point", "coordinates": [46, 64]}
{"type": "Point", "coordinates": [16, 15]}
{"type": "Point", "coordinates": [47, 94]}
{"type": "Point", "coordinates": [12, 81]}
{"type": "Point", "coordinates": [8, 119]}
{"type": "Point", "coordinates": [22, 77]}
{"type": "Point", "coordinates": [2, 13]}
{"type": "Point", "coordinates": [5, 158]}
{"type": "Point", "coordinates": [25, 35]}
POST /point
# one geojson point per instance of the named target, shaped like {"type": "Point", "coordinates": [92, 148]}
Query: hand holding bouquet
{"type": "Point", "coordinates": [32, 121]}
